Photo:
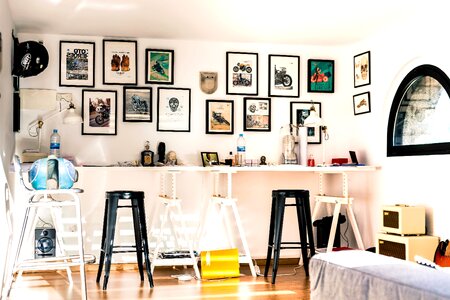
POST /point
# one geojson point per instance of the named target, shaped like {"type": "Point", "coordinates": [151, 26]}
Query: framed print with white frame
{"type": "Point", "coordinates": [284, 77]}
{"type": "Point", "coordinates": [99, 109]}
{"type": "Point", "coordinates": [361, 67]}
{"type": "Point", "coordinates": [219, 117]}
{"type": "Point", "coordinates": [361, 103]}
{"type": "Point", "coordinates": [242, 73]}
{"type": "Point", "coordinates": [159, 66]}
{"type": "Point", "coordinates": [76, 64]}
{"type": "Point", "coordinates": [174, 109]}
{"type": "Point", "coordinates": [257, 114]}
{"type": "Point", "coordinates": [137, 104]}
{"type": "Point", "coordinates": [299, 112]}
{"type": "Point", "coordinates": [119, 62]}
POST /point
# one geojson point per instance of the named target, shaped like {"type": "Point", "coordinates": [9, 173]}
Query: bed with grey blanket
{"type": "Point", "coordinates": [356, 274]}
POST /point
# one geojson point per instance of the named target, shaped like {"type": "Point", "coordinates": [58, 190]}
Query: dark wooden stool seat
{"type": "Point", "coordinates": [136, 203]}
{"type": "Point", "coordinates": [276, 228]}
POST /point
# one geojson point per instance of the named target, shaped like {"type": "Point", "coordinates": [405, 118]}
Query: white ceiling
{"type": "Point", "coordinates": [314, 22]}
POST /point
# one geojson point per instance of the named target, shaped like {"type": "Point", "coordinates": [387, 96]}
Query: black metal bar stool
{"type": "Point", "coordinates": [136, 199]}
{"type": "Point", "coordinates": [276, 228]}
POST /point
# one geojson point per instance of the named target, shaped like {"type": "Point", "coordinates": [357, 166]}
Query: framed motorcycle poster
{"type": "Point", "coordinates": [219, 116]}
{"type": "Point", "coordinates": [99, 112]}
{"type": "Point", "coordinates": [284, 80]}
{"type": "Point", "coordinates": [137, 104]}
{"type": "Point", "coordinates": [76, 64]}
{"type": "Point", "coordinates": [119, 62]}
{"type": "Point", "coordinates": [256, 114]}
{"type": "Point", "coordinates": [159, 66]}
{"type": "Point", "coordinates": [242, 73]}
{"type": "Point", "coordinates": [321, 76]}
{"type": "Point", "coordinates": [174, 109]}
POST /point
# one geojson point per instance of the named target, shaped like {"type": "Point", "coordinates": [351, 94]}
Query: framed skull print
{"type": "Point", "coordinates": [174, 109]}
{"type": "Point", "coordinates": [361, 64]}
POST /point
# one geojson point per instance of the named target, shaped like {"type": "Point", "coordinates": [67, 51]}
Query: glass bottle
{"type": "Point", "coordinates": [147, 156]}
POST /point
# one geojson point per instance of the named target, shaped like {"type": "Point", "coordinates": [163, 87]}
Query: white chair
{"type": "Point", "coordinates": [54, 200]}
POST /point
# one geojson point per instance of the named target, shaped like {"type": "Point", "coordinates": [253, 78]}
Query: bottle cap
{"type": "Point", "coordinates": [241, 134]}
{"type": "Point", "coordinates": [55, 130]}
{"type": "Point", "coordinates": [147, 145]}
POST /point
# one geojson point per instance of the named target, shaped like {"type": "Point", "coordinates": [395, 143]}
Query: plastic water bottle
{"type": "Point", "coordinates": [240, 156]}
{"type": "Point", "coordinates": [55, 143]}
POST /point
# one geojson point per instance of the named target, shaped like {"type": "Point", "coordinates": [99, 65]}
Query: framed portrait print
{"type": "Point", "coordinates": [137, 104]}
{"type": "Point", "coordinates": [361, 103]}
{"type": "Point", "coordinates": [219, 116]}
{"type": "Point", "coordinates": [210, 159]}
{"type": "Point", "coordinates": [76, 64]}
{"type": "Point", "coordinates": [256, 114]}
{"type": "Point", "coordinates": [361, 66]}
{"type": "Point", "coordinates": [284, 73]}
{"type": "Point", "coordinates": [99, 109]}
{"type": "Point", "coordinates": [321, 76]}
{"type": "Point", "coordinates": [242, 73]}
{"type": "Point", "coordinates": [119, 62]}
{"type": "Point", "coordinates": [174, 109]}
{"type": "Point", "coordinates": [299, 112]}
{"type": "Point", "coordinates": [159, 66]}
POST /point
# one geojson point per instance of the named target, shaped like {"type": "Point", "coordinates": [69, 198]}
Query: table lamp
{"type": "Point", "coordinates": [314, 120]}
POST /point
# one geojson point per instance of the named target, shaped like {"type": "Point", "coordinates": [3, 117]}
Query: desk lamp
{"type": "Point", "coordinates": [314, 120]}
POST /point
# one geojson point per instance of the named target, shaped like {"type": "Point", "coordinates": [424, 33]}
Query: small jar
{"type": "Point", "coordinates": [311, 161]}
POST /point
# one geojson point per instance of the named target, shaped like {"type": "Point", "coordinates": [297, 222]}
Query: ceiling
{"type": "Point", "coordinates": [325, 22]}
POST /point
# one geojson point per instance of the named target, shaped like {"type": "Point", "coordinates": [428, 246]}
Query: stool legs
{"type": "Point", "coordinates": [143, 229]}
{"type": "Point", "coordinates": [102, 244]}
{"type": "Point", "coordinates": [271, 234]}
{"type": "Point", "coordinates": [137, 237]}
{"type": "Point", "coordinates": [279, 218]}
{"type": "Point", "coordinates": [302, 229]}
{"type": "Point", "coordinates": [109, 242]}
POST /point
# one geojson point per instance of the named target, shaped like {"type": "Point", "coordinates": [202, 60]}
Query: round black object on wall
{"type": "Point", "coordinates": [30, 59]}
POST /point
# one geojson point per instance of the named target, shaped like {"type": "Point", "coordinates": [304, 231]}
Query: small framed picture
{"type": "Point", "coordinates": [159, 66]}
{"type": "Point", "coordinates": [219, 116]}
{"type": "Point", "coordinates": [99, 109]}
{"type": "Point", "coordinates": [299, 112]}
{"type": "Point", "coordinates": [361, 103]}
{"type": "Point", "coordinates": [76, 64]}
{"type": "Point", "coordinates": [256, 114]}
{"type": "Point", "coordinates": [137, 104]}
{"type": "Point", "coordinates": [119, 62]}
{"type": "Point", "coordinates": [361, 65]}
{"type": "Point", "coordinates": [284, 73]}
{"type": "Point", "coordinates": [174, 109]}
{"type": "Point", "coordinates": [242, 73]}
{"type": "Point", "coordinates": [321, 76]}
{"type": "Point", "coordinates": [210, 159]}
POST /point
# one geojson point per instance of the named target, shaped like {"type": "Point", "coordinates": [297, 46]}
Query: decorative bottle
{"type": "Point", "coordinates": [147, 156]}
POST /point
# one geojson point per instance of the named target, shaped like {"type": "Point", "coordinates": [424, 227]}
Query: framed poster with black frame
{"type": "Point", "coordinates": [76, 64]}
{"type": "Point", "coordinates": [284, 80]}
{"type": "Point", "coordinates": [257, 114]}
{"type": "Point", "coordinates": [137, 104]}
{"type": "Point", "coordinates": [174, 109]}
{"type": "Point", "coordinates": [119, 62]}
{"type": "Point", "coordinates": [242, 73]}
{"type": "Point", "coordinates": [159, 66]}
{"type": "Point", "coordinates": [361, 103]}
{"type": "Point", "coordinates": [321, 76]}
{"type": "Point", "coordinates": [299, 112]}
{"type": "Point", "coordinates": [361, 66]}
{"type": "Point", "coordinates": [219, 117]}
{"type": "Point", "coordinates": [99, 112]}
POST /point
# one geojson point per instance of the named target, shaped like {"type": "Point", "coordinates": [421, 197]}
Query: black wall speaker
{"type": "Point", "coordinates": [45, 242]}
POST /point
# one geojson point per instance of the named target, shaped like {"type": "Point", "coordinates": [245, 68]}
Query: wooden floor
{"type": "Point", "coordinates": [127, 285]}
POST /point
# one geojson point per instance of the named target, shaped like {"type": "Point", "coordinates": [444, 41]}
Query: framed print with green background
{"type": "Point", "coordinates": [361, 103]}
{"type": "Point", "coordinates": [321, 76]}
{"type": "Point", "coordinates": [256, 114]}
{"type": "Point", "coordinates": [299, 112]}
{"type": "Point", "coordinates": [219, 116]}
{"type": "Point", "coordinates": [174, 109]}
{"type": "Point", "coordinates": [242, 73]}
{"type": "Point", "coordinates": [159, 66]}
{"type": "Point", "coordinates": [99, 108]}
{"type": "Point", "coordinates": [361, 65]}
{"type": "Point", "coordinates": [137, 104]}
{"type": "Point", "coordinates": [119, 62]}
{"type": "Point", "coordinates": [284, 78]}
{"type": "Point", "coordinates": [76, 64]}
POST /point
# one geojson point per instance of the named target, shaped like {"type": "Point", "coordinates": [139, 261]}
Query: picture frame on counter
{"type": "Point", "coordinates": [119, 62]}
{"type": "Point", "coordinates": [257, 114]}
{"type": "Point", "coordinates": [361, 103]}
{"type": "Point", "coordinates": [174, 109]}
{"type": "Point", "coordinates": [299, 112]}
{"type": "Point", "coordinates": [361, 67]}
{"type": "Point", "coordinates": [159, 66]}
{"type": "Point", "coordinates": [242, 73]}
{"type": "Point", "coordinates": [137, 104]}
{"type": "Point", "coordinates": [284, 79]}
{"type": "Point", "coordinates": [219, 117]}
{"type": "Point", "coordinates": [99, 112]}
{"type": "Point", "coordinates": [210, 159]}
{"type": "Point", "coordinates": [76, 64]}
{"type": "Point", "coordinates": [321, 76]}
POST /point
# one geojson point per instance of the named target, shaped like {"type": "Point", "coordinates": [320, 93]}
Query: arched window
{"type": "Point", "coordinates": [419, 120]}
